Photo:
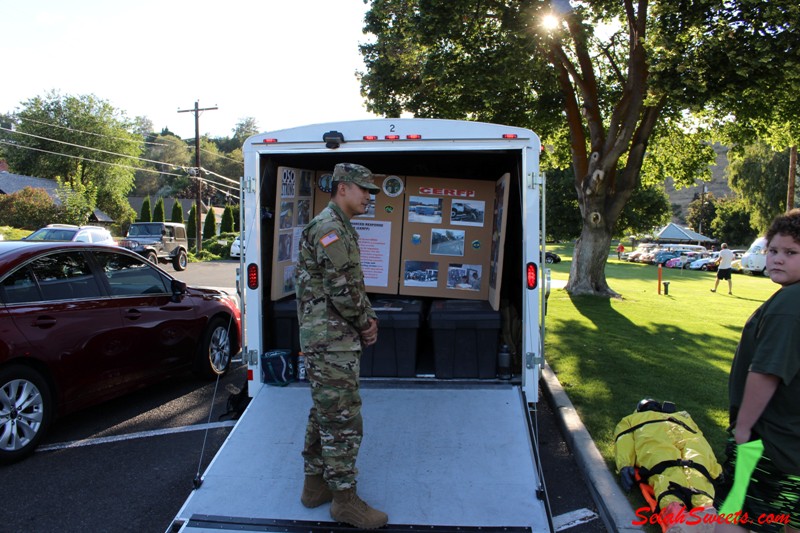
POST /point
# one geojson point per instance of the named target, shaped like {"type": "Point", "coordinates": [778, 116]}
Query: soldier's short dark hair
{"type": "Point", "coordinates": [786, 224]}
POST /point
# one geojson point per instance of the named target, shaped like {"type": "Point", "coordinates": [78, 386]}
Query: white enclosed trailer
{"type": "Point", "coordinates": [438, 454]}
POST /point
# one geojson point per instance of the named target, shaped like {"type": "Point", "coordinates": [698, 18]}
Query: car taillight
{"type": "Point", "coordinates": [531, 275]}
{"type": "Point", "coordinates": [252, 276]}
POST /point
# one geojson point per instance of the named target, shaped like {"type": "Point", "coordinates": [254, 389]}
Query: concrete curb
{"type": "Point", "coordinates": [612, 505]}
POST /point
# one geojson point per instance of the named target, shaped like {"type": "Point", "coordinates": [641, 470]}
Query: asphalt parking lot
{"type": "Point", "coordinates": [128, 465]}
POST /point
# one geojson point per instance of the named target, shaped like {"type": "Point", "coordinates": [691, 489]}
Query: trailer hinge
{"type": "Point", "coordinates": [531, 359]}
{"type": "Point", "coordinates": [252, 357]}
{"type": "Point", "coordinates": [249, 184]}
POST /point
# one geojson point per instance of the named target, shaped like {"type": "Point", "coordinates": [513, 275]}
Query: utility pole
{"type": "Point", "coordinates": [198, 200]}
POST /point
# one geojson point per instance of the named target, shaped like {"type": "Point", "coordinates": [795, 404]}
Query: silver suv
{"type": "Point", "coordinates": [159, 242]}
{"type": "Point", "coordinates": [68, 232]}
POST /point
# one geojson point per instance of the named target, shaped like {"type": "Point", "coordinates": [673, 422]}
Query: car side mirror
{"type": "Point", "coordinates": [178, 290]}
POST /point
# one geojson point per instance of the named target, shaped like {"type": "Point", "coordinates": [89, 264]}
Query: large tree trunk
{"type": "Point", "coordinates": [587, 274]}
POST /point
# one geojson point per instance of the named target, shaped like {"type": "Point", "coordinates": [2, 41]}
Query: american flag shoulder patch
{"type": "Point", "coordinates": [328, 239]}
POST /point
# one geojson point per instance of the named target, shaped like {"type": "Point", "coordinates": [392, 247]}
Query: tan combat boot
{"type": "Point", "coordinates": [315, 491]}
{"type": "Point", "coordinates": [348, 508]}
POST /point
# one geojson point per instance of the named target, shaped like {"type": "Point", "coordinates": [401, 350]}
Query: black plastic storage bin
{"type": "Point", "coordinates": [395, 353]}
{"type": "Point", "coordinates": [465, 337]}
{"type": "Point", "coordinates": [287, 330]}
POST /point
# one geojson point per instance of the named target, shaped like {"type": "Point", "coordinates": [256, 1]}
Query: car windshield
{"type": "Point", "coordinates": [51, 234]}
{"type": "Point", "coordinates": [145, 230]}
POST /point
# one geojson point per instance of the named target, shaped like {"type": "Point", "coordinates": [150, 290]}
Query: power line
{"type": "Point", "coordinates": [154, 171]}
{"type": "Point", "coordinates": [91, 132]}
{"type": "Point", "coordinates": [90, 160]}
{"type": "Point", "coordinates": [90, 148]}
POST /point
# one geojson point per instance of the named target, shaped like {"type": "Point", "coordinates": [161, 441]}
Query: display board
{"type": "Point", "coordinates": [447, 238]}
{"type": "Point", "coordinates": [293, 209]}
{"type": "Point", "coordinates": [421, 236]}
{"type": "Point", "coordinates": [498, 239]}
{"type": "Point", "coordinates": [379, 230]}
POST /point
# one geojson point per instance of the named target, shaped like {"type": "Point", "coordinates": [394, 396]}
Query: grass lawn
{"type": "Point", "coordinates": [609, 354]}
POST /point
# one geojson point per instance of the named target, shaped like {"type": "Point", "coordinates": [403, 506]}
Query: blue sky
{"type": "Point", "coordinates": [284, 62]}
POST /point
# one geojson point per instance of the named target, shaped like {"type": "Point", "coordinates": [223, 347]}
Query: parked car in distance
{"type": "Point", "coordinates": [736, 266]}
{"type": "Point", "coordinates": [84, 323]}
{"type": "Point", "coordinates": [706, 263]}
{"type": "Point", "coordinates": [551, 257]}
{"type": "Point", "coordinates": [683, 260]}
{"type": "Point", "coordinates": [236, 248]}
{"type": "Point", "coordinates": [660, 258]}
{"type": "Point", "coordinates": [159, 242]}
{"type": "Point", "coordinates": [69, 232]}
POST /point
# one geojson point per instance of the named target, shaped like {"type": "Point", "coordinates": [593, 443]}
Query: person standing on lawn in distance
{"type": "Point", "coordinates": [764, 386]}
{"type": "Point", "coordinates": [336, 321]}
{"type": "Point", "coordinates": [724, 268]}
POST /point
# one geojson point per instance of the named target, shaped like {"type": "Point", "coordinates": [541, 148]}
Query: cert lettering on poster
{"type": "Point", "coordinates": [374, 240]}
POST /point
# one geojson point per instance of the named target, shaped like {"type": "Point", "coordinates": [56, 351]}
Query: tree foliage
{"type": "Point", "coordinates": [81, 139]}
{"type": "Point", "coordinates": [158, 211]}
{"type": "Point", "coordinates": [177, 212]}
{"type": "Point", "coordinates": [29, 208]}
{"type": "Point", "coordinates": [494, 60]}
{"type": "Point", "coordinates": [226, 224]}
{"type": "Point", "coordinates": [732, 222]}
{"type": "Point", "coordinates": [77, 202]}
{"type": "Point", "coordinates": [210, 225]}
{"type": "Point", "coordinates": [758, 175]}
{"type": "Point", "coordinates": [145, 213]}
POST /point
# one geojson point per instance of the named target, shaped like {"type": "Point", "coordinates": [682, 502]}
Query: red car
{"type": "Point", "coordinates": [83, 323]}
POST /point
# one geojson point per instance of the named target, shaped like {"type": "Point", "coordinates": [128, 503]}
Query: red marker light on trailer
{"type": "Point", "coordinates": [370, 137]}
{"type": "Point", "coordinates": [270, 141]}
{"type": "Point", "coordinates": [392, 137]}
{"type": "Point", "coordinates": [509, 136]}
{"type": "Point", "coordinates": [531, 276]}
{"type": "Point", "coordinates": [252, 276]}
{"type": "Point", "coordinates": [414, 137]}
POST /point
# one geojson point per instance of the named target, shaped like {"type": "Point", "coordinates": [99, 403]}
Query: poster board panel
{"type": "Point", "coordinates": [379, 229]}
{"type": "Point", "coordinates": [498, 239]}
{"type": "Point", "coordinates": [293, 205]}
{"type": "Point", "coordinates": [447, 235]}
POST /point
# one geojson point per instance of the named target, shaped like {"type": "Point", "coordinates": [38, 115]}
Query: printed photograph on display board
{"type": "Point", "coordinates": [464, 277]}
{"type": "Point", "coordinates": [306, 176]}
{"type": "Point", "coordinates": [447, 242]}
{"type": "Point", "coordinates": [303, 212]}
{"type": "Point", "coordinates": [467, 213]}
{"type": "Point", "coordinates": [284, 247]}
{"type": "Point", "coordinates": [425, 210]}
{"type": "Point", "coordinates": [288, 279]}
{"type": "Point", "coordinates": [421, 274]}
{"type": "Point", "coordinates": [286, 215]}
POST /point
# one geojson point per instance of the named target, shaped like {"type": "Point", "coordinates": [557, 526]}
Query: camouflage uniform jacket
{"type": "Point", "coordinates": [332, 303]}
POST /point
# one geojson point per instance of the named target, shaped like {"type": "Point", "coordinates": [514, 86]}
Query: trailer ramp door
{"type": "Point", "coordinates": [438, 457]}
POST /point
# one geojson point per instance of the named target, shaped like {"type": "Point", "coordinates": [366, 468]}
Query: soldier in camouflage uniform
{"type": "Point", "coordinates": [336, 320]}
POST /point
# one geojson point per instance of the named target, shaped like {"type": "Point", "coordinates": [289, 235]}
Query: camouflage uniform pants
{"type": "Point", "coordinates": [334, 431]}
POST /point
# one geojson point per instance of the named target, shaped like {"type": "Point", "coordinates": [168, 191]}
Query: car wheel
{"type": "Point", "coordinates": [26, 408]}
{"type": "Point", "coordinates": [180, 261]}
{"type": "Point", "coordinates": [152, 257]}
{"type": "Point", "coordinates": [548, 259]}
{"type": "Point", "coordinates": [214, 357]}
{"type": "Point", "coordinates": [704, 268]}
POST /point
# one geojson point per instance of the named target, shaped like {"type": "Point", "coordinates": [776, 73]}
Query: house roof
{"type": "Point", "coordinates": [11, 183]}
{"type": "Point", "coordinates": [675, 233]}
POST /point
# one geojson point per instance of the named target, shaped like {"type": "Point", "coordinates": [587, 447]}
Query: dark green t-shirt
{"type": "Point", "coordinates": [770, 344]}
